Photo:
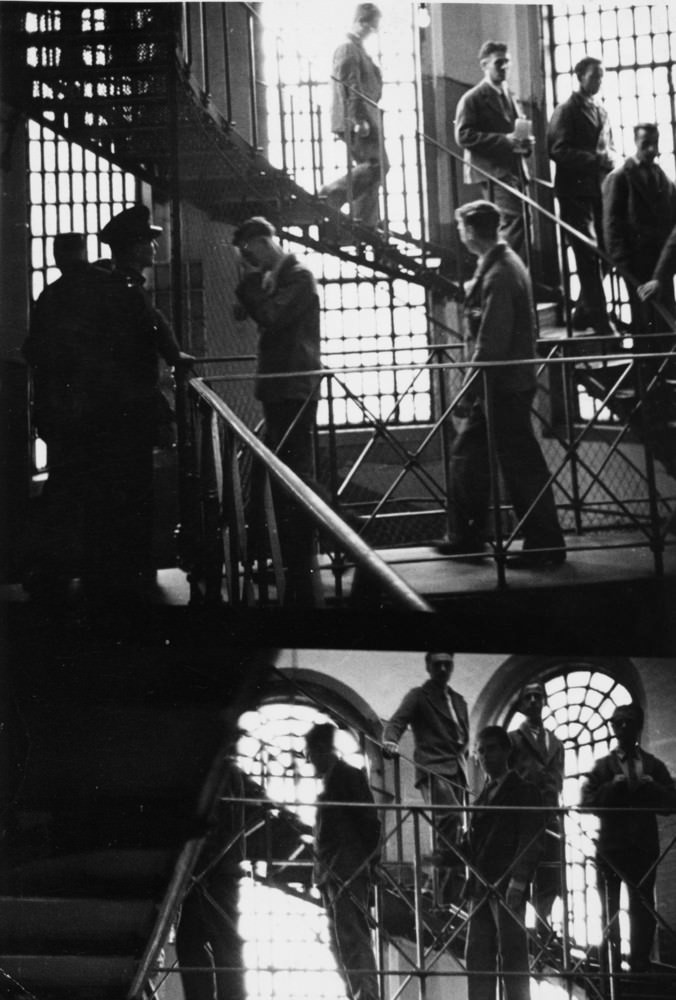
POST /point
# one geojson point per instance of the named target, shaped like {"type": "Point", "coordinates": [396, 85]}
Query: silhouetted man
{"type": "Point", "coordinates": [347, 846]}
{"type": "Point", "coordinates": [538, 756]}
{"type": "Point", "coordinates": [627, 849]}
{"type": "Point", "coordinates": [98, 330]}
{"type": "Point", "coordinates": [503, 848]}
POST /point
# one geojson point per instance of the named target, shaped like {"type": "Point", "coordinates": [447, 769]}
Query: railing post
{"type": "Point", "coordinates": [570, 408]}
{"type": "Point", "coordinates": [253, 104]}
{"type": "Point", "coordinates": [226, 63]}
{"type": "Point", "coordinates": [656, 541]}
{"type": "Point", "coordinates": [338, 560]}
{"type": "Point", "coordinates": [417, 889]}
{"type": "Point", "coordinates": [565, 929]}
{"type": "Point", "coordinates": [383, 171]}
{"type": "Point", "coordinates": [280, 103]}
{"type": "Point", "coordinates": [204, 46]}
{"type": "Point", "coordinates": [313, 137]}
{"type": "Point", "coordinates": [494, 473]}
{"type": "Point", "coordinates": [446, 444]}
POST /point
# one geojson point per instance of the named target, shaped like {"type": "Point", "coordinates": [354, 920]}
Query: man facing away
{"type": "Point", "coordinates": [355, 118]}
{"type": "Point", "coordinates": [628, 848]}
{"type": "Point", "coordinates": [97, 328]}
{"type": "Point", "coordinates": [538, 756]}
{"type": "Point", "coordinates": [438, 717]}
{"type": "Point", "coordinates": [580, 144]}
{"type": "Point", "coordinates": [503, 849]}
{"type": "Point", "coordinates": [500, 314]}
{"type": "Point", "coordinates": [280, 294]}
{"type": "Point", "coordinates": [639, 212]}
{"type": "Point", "coordinates": [346, 847]}
{"type": "Point", "coordinates": [485, 128]}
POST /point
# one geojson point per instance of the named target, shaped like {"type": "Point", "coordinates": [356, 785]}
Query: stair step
{"type": "Point", "coordinates": [56, 925]}
{"type": "Point", "coordinates": [52, 977]}
{"type": "Point", "coordinates": [113, 874]}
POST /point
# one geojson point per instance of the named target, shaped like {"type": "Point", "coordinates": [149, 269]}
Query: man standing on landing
{"type": "Point", "coordinates": [500, 315]}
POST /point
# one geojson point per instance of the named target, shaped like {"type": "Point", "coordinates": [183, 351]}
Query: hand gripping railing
{"type": "Point", "coordinates": [210, 467]}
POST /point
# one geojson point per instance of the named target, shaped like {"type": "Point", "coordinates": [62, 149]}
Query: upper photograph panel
{"type": "Point", "coordinates": [348, 308]}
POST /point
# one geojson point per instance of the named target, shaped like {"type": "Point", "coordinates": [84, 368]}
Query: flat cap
{"type": "Point", "coordinates": [129, 225]}
{"type": "Point", "coordinates": [479, 209]}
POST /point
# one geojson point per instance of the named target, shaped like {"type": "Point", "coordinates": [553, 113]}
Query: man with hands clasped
{"type": "Point", "coordinates": [628, 848]}
{"type": "Point", "coordinates": [503, 847]}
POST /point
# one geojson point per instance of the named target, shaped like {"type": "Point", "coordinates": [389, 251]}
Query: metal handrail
{"type": "Point", "coordinates": [595, 496]}
{"type": "Point", "coordinates": [321, 514]}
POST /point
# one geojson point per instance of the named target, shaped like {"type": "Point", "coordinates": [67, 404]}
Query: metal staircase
{"type": "Point", "coordinates": [114, 759]}
{"type": "Point", "coordinates": [113, 80]}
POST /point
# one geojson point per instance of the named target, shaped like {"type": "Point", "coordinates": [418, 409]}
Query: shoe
{"type": "Point", "coordinates": [456, 545]}
{"type": "Point", "coordinates": [527, 559]}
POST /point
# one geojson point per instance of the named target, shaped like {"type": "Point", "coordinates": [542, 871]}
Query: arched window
{"type": "Point", "coordinates": [580, 702]}
{"type": "Point", "coordinates": [286, 950]}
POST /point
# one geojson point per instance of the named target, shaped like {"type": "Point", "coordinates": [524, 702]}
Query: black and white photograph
{"type": "Point", "coordinates": [338, 531]}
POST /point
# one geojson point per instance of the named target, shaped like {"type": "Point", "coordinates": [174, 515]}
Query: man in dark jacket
{"type": "Point", "coordinates": [356, 88]}
{"type": "Point", "coordinates": [346, 846]}
{"type": "Point", "coordinates": [627, 849]}
{"type": "Point", "coordinates": [500, 314]}
{"type": "Point", "coordinates": [485, 127]}
{"type": "Point", "coordinates": [281, 296]}
{"type": "Point", "coordinates": [503, 848]}
{"type": "Point", "coordinates": [438, 718]}
{"type": "Point", "coordinates": [639, 212]}
{"type": "Point", "coordinates": [579, 143]}
{"type": "Point", "coordinates": [96, 340]}
{"type": "Point", "coordinates": [538, 756]}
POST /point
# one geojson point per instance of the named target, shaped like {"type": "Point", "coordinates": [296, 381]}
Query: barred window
{"type": "Point", "coordinates": [286, 943]}
{"type": "Point", "coordinates": [72, 190]}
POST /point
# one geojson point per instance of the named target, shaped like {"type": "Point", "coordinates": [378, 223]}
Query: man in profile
{"type": "Point", "coordinates": [280, 294]}
{"type": "Point", "coordinates": [580, 144]}
{"type": "Point", "coordinates": [628, 849]}
{"type": "Point", "coordinates": [503, 848]}
{"type": "Point", "coordinates": [499, 312]}
{"type": "Point", "coordinates": [485, 127]}
{"type": "Point", "coordinates": [346, 848]}
{"type": "Point", "coordinates": [357, 87]}
{"type": "Point", "coordinates": [97, 331]}
{"type": "Point", "coordinates": [438, 717]}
